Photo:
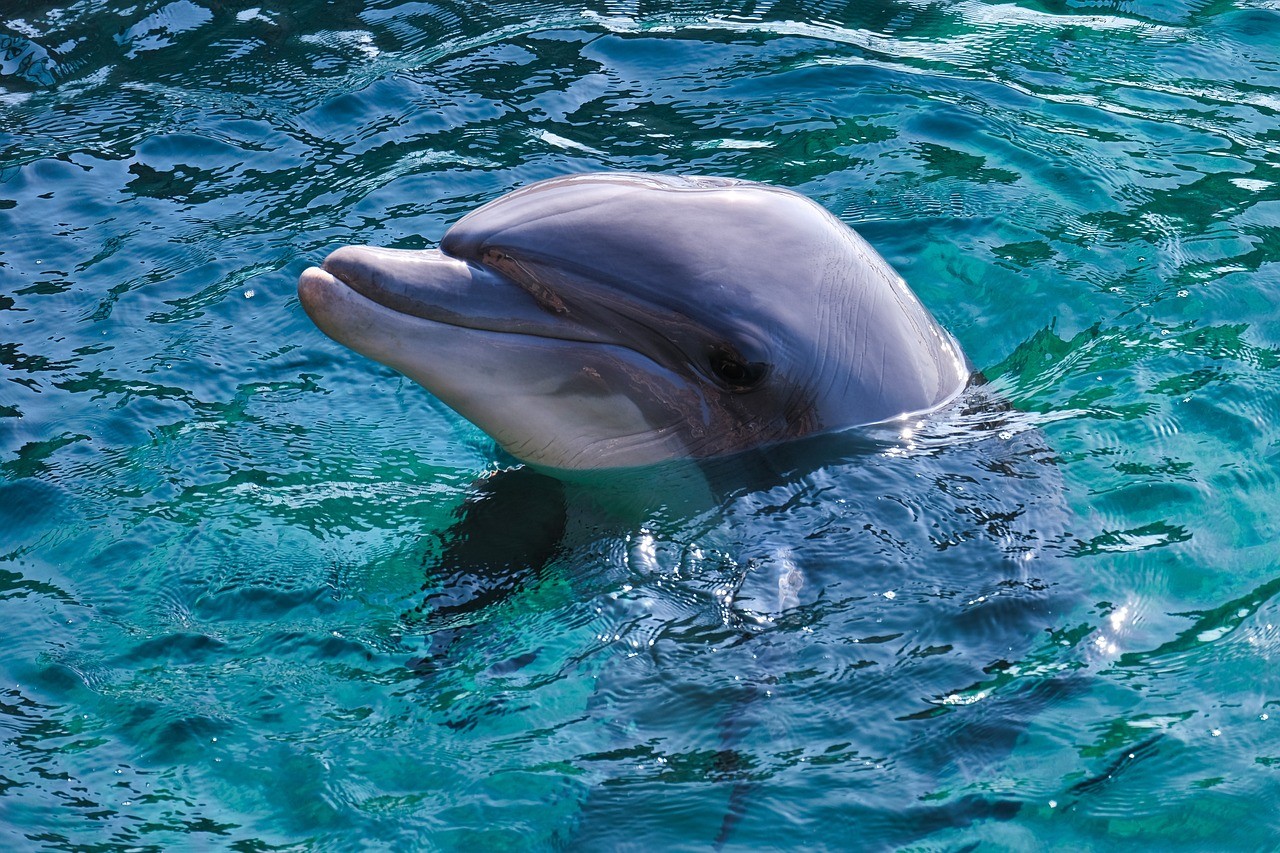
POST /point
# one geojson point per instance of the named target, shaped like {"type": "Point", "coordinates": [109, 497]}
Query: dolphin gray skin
{"type": "Point", "coordinates": [612, 320]}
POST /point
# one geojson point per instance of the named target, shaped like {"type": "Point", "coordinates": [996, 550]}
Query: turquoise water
{"type": "Point", "coordinates": [237, 614]}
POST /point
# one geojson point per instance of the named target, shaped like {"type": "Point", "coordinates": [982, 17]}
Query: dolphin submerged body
{"type": "Point", "coordinates": [616, 320]}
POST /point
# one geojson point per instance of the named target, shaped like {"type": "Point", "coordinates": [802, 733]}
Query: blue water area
{"type": "Point", "coordinates": [261, 593]}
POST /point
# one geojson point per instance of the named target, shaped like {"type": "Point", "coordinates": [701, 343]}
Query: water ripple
{"type": "Point", "coordinates": [225, 550]}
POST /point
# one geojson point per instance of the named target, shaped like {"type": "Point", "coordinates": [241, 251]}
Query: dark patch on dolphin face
{"type": "Point", "coordinates": [629, 319]}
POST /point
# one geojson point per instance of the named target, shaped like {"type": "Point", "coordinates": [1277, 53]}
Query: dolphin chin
{"type": "Point", "coordinates": [615, 320]}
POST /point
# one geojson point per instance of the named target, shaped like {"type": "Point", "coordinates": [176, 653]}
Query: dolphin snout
{"type": "Point", "coordinates": [424, 283]}
{"type": "Point", "coordinates": [355, 266]}
{"type": "Point", "coordinates": [315, 286]}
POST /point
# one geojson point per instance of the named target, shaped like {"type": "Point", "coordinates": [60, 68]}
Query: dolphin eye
{"type": "Point", "coordinates": [739, 375]}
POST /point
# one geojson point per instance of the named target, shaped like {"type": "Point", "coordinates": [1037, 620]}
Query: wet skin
{"type": "Point", "coordinates": [611, 320]}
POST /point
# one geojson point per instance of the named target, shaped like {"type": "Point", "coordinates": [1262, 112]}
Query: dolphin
{"type": "Point", "coordinates": [617, 320]}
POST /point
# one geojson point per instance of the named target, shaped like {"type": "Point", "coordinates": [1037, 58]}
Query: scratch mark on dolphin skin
{"type": "Point", "coordinates": [528, 281]}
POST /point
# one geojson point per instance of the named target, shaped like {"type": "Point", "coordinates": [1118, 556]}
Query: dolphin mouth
{"type": "Point", "coordinates": [437, 287]}
{"type": "Point", "coordinates": [497, 293]}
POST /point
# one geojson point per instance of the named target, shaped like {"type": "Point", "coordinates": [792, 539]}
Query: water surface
{"type": "Point", "coordinates": [233, 615]}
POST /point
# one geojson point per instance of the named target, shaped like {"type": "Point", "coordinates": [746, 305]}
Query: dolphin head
{"type": "Point", "coordinates": [617, 320]}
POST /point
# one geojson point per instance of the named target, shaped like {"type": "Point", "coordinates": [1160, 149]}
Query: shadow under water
{"type": "Point", "coordinates": [906, 581]}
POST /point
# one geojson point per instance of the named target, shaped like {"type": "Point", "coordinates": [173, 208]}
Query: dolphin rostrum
{"type": "Point", "coordinates": [612, 320]}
